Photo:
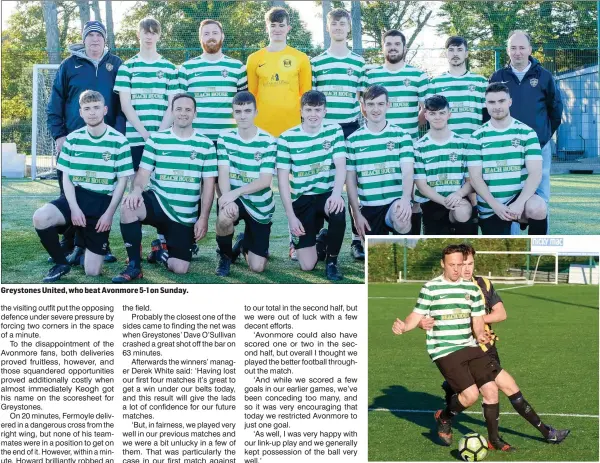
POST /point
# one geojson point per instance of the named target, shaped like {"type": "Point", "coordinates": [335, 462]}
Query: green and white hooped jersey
{"type": "Point", "coordinates": [451, 305]}
{"type": "Point", "coordinates": [310, 158]}
{"type": "Point", "coordinates": [378, 159]}
{"type": "Point", "coordinates": [213, 84]}
{"type": "Point", "coordinates": [407, 88]}
{"type": "Point", "coordinates": [150, 85]}
{"type": "Point", "coordinates": [96, 163]}
{"type": "Point", "coordinates": [339, 79]}
{"type": "Point", "coordinates": [178, 166]}
{"type": "Point", "coordinates": [502, 155]}
{"type": "Point", "coordinates": [443, 166]}
{"type": "Point", "coordinates": [466, 95]}
{"type": "Point", "coordinates": [246, 161]}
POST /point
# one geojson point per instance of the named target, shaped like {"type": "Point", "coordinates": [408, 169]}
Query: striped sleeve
{"type": "Point", "coordinates": [407, 153]}
{"type": "Point", "coordinates": [242, 83]}
{"type": "Point", "coordinates": [123, 80]}
{"type": "Point", "coordinates": [533, 151]}
{"type": "Point", "coordinates": [149, 155]}
{"type": "Point", "coordinates": [350, 156]}
{"type": "Point", "coordinates": [423, 87]}
{"type": "Point", "coordinates": [423, 304]}
{"type": "Point", "coordinates": [361, 79]}
{"type": "Point", "coordinates": [474, 158]}
{"type": "Point", "coordinates": [283, 154]}
{"type": "Point", "coordinates": [124, 163]}
{"type": "Point", "coordinates": [222, 156]}
{"type": "Point", "coordinates": [173, 82]}
{"type": "Point", "coordinates": [420, 173]}
{"type": "Point", "coordinates": [209, 168]}
{"type": "Point", "coordinates": [339, 145]}
{"type": "Point", "coordinates": [267, 162]}
{"type": "Point", "coordinates": [64, 160]}
{"type": "Point", "coordinates": [183, 78]}
{"type": "Point", "coordinates": [477, 305]}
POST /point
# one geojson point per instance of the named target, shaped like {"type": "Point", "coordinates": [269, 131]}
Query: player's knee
{"type": "Point", "coordinates": [128, 215]}
{"type": "Point", "coordinates": [535, 208]}
{"type": "Point", "coordinates": [462, 213]}
{"type": "Point", "coordinates": [307, 265]}
{"type": "Point", "coordinates": [469, 396]}
{"type": "Point", "coordinates": [224, 222]}
{"type": "Point", "coordinates": [402, 227]}
{"type": "Point", "coordinates": [257, 265]}
{"type": "Point", "coordinates": [178, 266]}
{"type": "Point", "coordinates": [41, 219]}
{"type": "Point", "coordinates": [489, 391]}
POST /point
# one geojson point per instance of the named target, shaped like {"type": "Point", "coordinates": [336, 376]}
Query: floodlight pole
{"type": "Point", "coordinates": [405, 258]}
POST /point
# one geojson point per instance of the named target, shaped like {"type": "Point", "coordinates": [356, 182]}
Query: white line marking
{"type": "Point", "coordinates": [576, 415]}
{"type": "Point", "coordinates": [514, 287]}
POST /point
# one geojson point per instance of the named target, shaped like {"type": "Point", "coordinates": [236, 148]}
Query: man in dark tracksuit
{"type": "Point", "coordinates": [90, 67]}
{"type": "Point", "coordinates": [536, 101]}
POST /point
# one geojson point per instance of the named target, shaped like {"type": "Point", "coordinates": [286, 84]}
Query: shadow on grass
{"type": "Point", "coordinates": [418, 408]}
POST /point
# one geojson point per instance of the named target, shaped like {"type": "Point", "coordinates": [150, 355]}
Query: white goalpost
{"type": "Point", "coordinates": [42, 143]}
{"type": "Point", "coordinates": [533, 280]}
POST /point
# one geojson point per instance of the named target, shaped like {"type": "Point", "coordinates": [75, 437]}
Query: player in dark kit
{"type": "Point", "coordinates": [495, 313]}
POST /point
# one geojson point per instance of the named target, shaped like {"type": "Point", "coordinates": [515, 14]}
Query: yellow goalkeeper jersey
{"type": "Point", "coordinates": [278, 80]}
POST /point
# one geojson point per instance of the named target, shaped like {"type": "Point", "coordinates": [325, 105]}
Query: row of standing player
{"type": "Point", "coordinates": [456, 310]}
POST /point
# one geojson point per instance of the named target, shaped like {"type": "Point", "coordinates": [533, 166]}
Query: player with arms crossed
{"type": "Point", "coordinates": [338, 73]}
{"type": "Point", "coordinates": [505, 169]}
{"type": "Point", "coordinates": [380, 170]}
{"type": "Point", "coordinates": [441, 173]}
{"type": "Point", "coordinates": [453, 304]}
{"type": "Point", "coordinates": [407, 87]}
{"type": "Point", "coordinates": [246, 159]}
{"type": "Point", "coordinates": [313, 156]}
{"type": "Point", "coordinates": [96, 162]}
{"type": "Point", "coordinates": [183, 161]}
{"type": "Point", "coordinates": [146, 85]}
{"type": "Point", "coordinates": [278, 76]}
{"type": "Point", "coordinates": [496, 313]}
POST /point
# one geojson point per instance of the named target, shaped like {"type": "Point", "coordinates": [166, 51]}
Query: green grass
{"type": "Point", "coordinates": [549, 344]}
{"type": "Point", "coordinates": [574, 204]}
{"type": "Point", "coordinates": [24, 259]}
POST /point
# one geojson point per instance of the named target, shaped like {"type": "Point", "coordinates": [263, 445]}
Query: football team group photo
{"type": "Point", "coordinates": [161, 165]}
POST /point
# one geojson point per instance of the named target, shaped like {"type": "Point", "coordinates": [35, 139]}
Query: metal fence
{"type": "Point", "coordinates": [420, 261]}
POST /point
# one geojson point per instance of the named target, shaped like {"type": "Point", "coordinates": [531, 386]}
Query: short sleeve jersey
{"type": "Point", "coordinates": [96, 163]}
{"type": "Point", "coordinates": [310, 158]}
{"type": "Point", "coordinates": [150, 85]}
{"type": "Point", "coordinates": [442, 165]}
{"type": "Point", "coordinates": [339, 79]}
{"type": "Point", "coordinates": [466, 95]}
{"type": "Point", "coordinates": [178, 167]}
{"type": "Point", "coordinates": [451, 305]}
{"type": "Point", "coordinates": [246, 160]}
{"type": "Point", "coordinates": [377, 159]}
{"type": "Point", "coordinates": [278, 80]}
{"type": "Point", "coordinates": [502, 153]}
{"type": "Point", "coordinates": [213, 84]}
{"type": "Point", "coordinates": [407, 87]}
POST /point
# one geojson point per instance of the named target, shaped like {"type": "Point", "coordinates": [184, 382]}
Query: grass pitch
{"type": "Point", "coordinates": [549, 344]}
{"type": "Point", "coordinates": [24, 260]}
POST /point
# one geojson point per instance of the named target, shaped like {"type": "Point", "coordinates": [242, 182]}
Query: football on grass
{"type": "Point", "coordinates": [472, 447]}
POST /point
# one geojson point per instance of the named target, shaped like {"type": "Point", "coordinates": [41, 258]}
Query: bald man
{"type": "Point", "coordinates": [536, 99]}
